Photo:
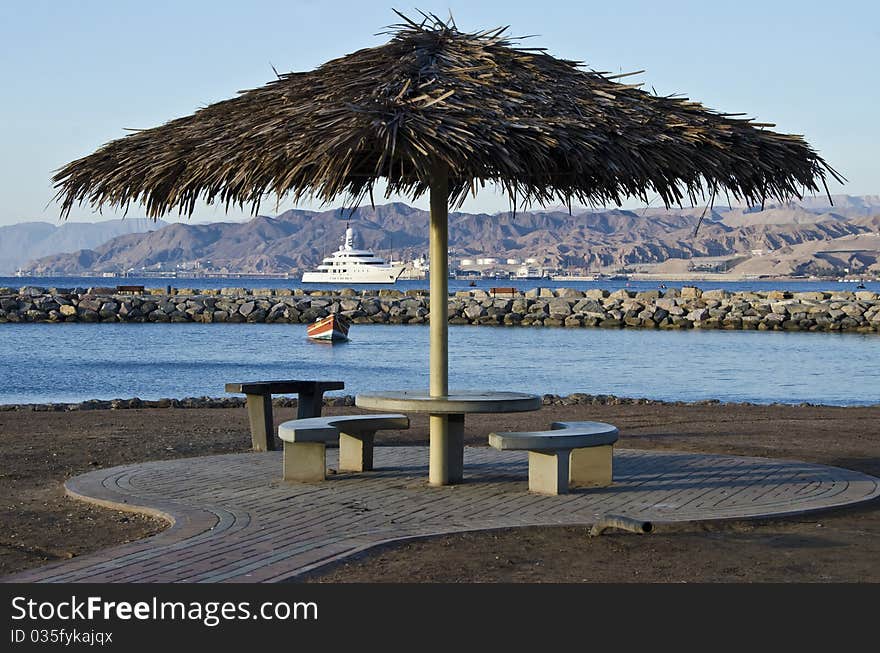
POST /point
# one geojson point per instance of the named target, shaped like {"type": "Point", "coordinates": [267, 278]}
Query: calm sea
{"type": "Point", "coordinates": [73, 362]}
{"type": "Point", "coordinates": [454, 284]}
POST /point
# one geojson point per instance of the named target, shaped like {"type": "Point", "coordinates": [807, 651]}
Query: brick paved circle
{"type": "Point", "coordinates": [235, 521]}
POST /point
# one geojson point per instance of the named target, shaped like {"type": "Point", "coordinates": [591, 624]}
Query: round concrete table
{"type": "Point", "coordinates": [446, 457]}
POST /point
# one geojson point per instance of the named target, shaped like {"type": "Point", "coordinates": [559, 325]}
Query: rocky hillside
{"type": "Point", "coordinates": [298, 239]}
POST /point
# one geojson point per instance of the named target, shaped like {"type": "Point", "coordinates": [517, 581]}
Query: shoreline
{"type": "Point", "coordinates": [348, 401]}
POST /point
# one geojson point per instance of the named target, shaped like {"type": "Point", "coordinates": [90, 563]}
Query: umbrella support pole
{"type": "Point", "coordinates": [445, 442]}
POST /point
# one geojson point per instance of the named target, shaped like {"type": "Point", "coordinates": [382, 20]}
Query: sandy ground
{"type": "Point", "coordinates": [38, 524]}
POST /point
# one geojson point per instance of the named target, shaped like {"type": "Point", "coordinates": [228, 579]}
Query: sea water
{"type": "Point", "coordinates": [751, 285]}
{"type": "Point", "coordinates": [70, 362]}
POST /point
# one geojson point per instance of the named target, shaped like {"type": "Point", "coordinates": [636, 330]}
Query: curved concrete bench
{"type": "Point", "coordinates": [305, 443]}
{"type": "Point", "coordinates": [571, 454]}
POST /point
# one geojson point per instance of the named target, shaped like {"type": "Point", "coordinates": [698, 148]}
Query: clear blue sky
{"type": "Point", "coordinates": [74, 74]}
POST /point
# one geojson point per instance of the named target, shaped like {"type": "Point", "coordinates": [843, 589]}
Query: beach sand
{"type": "Point", "coordinates": [40, 450]}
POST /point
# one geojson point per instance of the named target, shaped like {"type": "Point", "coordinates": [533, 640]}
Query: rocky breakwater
{"type": "Point", "coordinates": [674, 308]}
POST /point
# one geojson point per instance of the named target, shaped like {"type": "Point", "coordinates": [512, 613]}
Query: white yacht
{"type": "Point", "coordinates": [350, 265]}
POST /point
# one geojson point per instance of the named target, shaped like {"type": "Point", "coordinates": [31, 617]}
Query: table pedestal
{"type": "Point", "coordinates": [446, 463]}
{"type": "Point", "coordinates": [446, 417]}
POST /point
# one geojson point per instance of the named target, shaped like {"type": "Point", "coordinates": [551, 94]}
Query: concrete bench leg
{"type": "Point", "coordinates": [305, 462]}
{"type": "Point", "coordinates": [591, 466]}
{"type": "Point", "coordinates": [356, 451]}
{"type": "Point", "coordinates": [259, 409]}
{"type": "Point", "coordinates": [548, 472]}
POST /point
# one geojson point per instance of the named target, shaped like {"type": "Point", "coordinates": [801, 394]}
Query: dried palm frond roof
{"type": "Point", "coordinates": [541, 127]}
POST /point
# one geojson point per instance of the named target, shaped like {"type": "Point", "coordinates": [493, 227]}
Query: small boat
{"type": "Point", "coordinates": [333, 328]}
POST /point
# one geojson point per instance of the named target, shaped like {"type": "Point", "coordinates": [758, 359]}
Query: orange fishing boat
{"type": "Point", "coordinates": [333, 328]}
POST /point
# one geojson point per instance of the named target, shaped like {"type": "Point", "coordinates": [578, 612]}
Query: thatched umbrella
{"type": "Point", "coordinates": [441, 111]}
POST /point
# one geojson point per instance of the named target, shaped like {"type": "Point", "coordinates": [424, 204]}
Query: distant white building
{"type": "Point", "coordinates": [513, 261]}
{"type": "Point", "coordinates": [467, 261]}
{"type": "Point", "coordinates": [527, 272]}
{"type": "Point", "coordinates": [487, 261]}
{"type": "Point", "coordinates": [421, 263]}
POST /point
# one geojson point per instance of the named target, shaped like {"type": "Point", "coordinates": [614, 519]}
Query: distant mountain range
{"type": "Point", "coordinates": [23, 242]}
{"type": "Point", "coordinates": [598, 239]}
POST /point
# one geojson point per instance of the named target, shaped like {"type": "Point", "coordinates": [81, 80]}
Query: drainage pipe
{"type": "Point", "coordinates": [621, 522]}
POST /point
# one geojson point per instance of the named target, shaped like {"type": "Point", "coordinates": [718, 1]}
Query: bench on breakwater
{"type": "Point", "coordinates": [495, 292]}
{"type": "Point", "coordinates": [129, 289]}
{"type": "Point", "coordinates": [571, 454]}
{"type": "Point", "coordinates": [310, 400]}
{"type": "Point", "coordinates": [305, 443]}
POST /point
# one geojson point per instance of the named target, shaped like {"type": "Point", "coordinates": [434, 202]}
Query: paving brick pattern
{"type": "Point", "coordinates": [236, 521]}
